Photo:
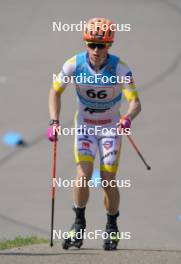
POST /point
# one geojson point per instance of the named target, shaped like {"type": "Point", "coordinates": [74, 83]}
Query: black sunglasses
{"type": "Point", "coordinates": [96, 45]}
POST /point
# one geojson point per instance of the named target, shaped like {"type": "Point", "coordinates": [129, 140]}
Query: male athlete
{"type": "Point", "coordinates": [98, 105]}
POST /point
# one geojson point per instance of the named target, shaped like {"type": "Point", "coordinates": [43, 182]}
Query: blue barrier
{"type": "Point", "coordinates": [13, 139]}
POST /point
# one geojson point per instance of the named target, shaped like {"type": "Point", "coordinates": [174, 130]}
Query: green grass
{"type": "Point", "coordinates": [21, 241]}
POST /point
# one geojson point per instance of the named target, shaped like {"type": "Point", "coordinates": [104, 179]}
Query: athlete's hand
{"type": "Point", "coordinates": [125, 122]}
{"type": "Point", "coordinates": [51, 131]}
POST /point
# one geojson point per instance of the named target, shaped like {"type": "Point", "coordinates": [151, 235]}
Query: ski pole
{"type": "Point", "coordinates": [53, 189]}
{"type": "Point", "coordinates": [139, 153]}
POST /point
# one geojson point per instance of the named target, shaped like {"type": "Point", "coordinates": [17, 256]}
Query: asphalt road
{"type": "Point", "coordinates": [43, 254]}
{"type": "Point", "coordinates": [30, 53]}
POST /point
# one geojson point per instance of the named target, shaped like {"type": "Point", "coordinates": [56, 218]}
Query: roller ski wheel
{"type": "Point", "coordinates": [75, 236]}
{"type": "Point", "coordinates": [112, 239]}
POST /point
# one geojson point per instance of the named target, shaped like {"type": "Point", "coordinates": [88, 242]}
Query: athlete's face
{"type": "Point", "coordinates": [97, 53]}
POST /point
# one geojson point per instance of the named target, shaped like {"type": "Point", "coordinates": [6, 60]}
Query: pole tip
{"type": "Point", "coordinates": [148, 168]}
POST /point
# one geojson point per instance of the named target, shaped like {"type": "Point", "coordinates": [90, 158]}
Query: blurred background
{"type": "Point", "coordinates": [30, 52]}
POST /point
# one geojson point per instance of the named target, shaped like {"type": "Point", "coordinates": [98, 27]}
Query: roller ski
{"type": "Point", "coordinates": [112, 233]}
{"type": "Point", "coordinates": [76, 233]}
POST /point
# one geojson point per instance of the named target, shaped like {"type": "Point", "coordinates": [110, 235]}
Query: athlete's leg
{"type": "Point", "coordinates": [85, 150]}
{"type": "Point", "coordinates": [109, 148]}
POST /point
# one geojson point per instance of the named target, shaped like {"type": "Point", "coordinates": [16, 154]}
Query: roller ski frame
{"type": "Point", "coordinates": [111, 242]}
{"type": "Point", "coordinates": [73, 240]}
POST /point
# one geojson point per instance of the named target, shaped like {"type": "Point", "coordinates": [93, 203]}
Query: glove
{"type": "Point", "coordinates": [51, 133]}
{"type": "Point", "coordinates": [125, 122]}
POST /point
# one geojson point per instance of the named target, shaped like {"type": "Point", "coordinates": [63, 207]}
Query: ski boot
{"type": "Point", "coordinates": [112, 233]}
{"type": "Point", "coordinates": [76, 233]}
